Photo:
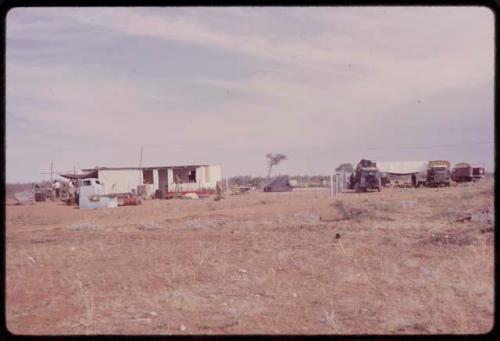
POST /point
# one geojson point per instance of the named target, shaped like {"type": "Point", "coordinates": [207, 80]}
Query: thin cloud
{"type": "Point", "coordinates": [266, 79]}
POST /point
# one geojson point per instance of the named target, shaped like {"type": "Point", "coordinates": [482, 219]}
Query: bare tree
{"type": "Point", "coordinates": [274, 160]}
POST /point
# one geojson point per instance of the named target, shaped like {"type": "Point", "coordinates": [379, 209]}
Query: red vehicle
{"type": "Point", "coordinates": [463, 172]}
{"type": "Point", "coordinates": [477, 172]}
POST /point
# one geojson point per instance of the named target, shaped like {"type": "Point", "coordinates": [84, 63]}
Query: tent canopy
{"type": "Point", "coordinates": [91, 174]}
{"type": "Point", "coordinates": [279, 184]}
{"type": "Point", "coordinates": [402, 167]}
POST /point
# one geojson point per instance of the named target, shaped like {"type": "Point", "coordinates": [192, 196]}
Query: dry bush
{"type": "Point", "coordinates": [352, 213]}
{"type": "Point", "coordinates": [386, 206]}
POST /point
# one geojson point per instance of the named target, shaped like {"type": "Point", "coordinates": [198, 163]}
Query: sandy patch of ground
{"type": "Point", "coordinates": [399, 261]}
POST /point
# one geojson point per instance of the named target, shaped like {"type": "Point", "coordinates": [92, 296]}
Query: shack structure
{"type": "Point", "coordinates": [165, 181]}
{"type": "Point", "coordinates": [402, 173]}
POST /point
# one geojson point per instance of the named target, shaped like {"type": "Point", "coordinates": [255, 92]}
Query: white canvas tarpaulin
{"type": "Point", "coordinates": [402, 167]}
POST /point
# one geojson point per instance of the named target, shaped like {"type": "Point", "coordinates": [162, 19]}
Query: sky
{"type": "Point", "coordinates": [88, 87]}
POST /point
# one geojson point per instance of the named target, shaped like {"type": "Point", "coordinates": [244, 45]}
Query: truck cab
{"type": "Point", "coordinates": [477, 172]}
{"type": "Point", "coordinates": [366, 177]}
{"type": "Point", "coordinates": [439, 175]}
{"type": "Point", "coordinates": [90, 193]}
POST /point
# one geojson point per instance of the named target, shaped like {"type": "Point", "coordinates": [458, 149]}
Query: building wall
{"type": "Point", "coordinates": [213, 174]}
{"type": "Point", "coordinates": [206, 178]}
{"type": "Point", "coordinates": [120, 181]}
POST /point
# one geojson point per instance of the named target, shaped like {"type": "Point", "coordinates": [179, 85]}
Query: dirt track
{"type": "Point", "coordinates": [399, 261]}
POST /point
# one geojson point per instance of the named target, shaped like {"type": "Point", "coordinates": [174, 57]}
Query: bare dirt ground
{"type": "Point", "coordinates": [400, 261]}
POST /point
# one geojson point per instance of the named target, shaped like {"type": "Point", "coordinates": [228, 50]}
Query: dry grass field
{"type": "Point", "coordinates": [400, 261]}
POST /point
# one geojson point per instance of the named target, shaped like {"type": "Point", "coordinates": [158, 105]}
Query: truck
{"type": "Point", "coordinates": [464, 172]}
{"type": "Point", "coordinates": [438, 173]}
{"type": "Point", "coordinates": [477, 172]}
{"type": "Point", "coordinates": [91, 194]}
{"type": "Point", "coordinates": [366, 177]}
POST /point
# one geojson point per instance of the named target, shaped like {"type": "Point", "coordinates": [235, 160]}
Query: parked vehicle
{"type": "Point", "coordinates": [439, 173]}
{"type": "Point", "coordinates": [91, 195]}
{"type": "Point", "coordinates": [366, 177]}
{"type": "Point", "coordinates": [462, 172]}
{"type": "Point", "coordinates": [477, 172]}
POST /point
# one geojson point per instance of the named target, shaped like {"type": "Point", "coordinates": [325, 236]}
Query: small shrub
{"type": "Point", "coordinates": [308, 218]}
{"type": "Point", "coordinates": [385, 206]}
{"type": "Point", "coordinates": [352, 213]}
{"type": "Point", "coordinates": [83, 227]}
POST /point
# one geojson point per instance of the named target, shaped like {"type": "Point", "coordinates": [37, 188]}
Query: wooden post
{"type": "Point", "coordinates": [227, 184]}
{"type": "Point", "coordinates": [51, 169]}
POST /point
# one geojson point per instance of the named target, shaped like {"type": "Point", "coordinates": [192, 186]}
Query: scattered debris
{"type": "Point", "coordinates": [190, 196]}
{"type": "Point", "coordinates": [83, 227]}
{"type": "Point", "coordinates": [149, 226]}
{"type": "Point", "coordinates": [182, 328]}
{"type": "Point", "coordinates": [464, 219]}
{"type": "Point", "coordinates": [32, 259]}
{"type": "Point", "coordinates": [204, 223]}
{"type": "Point", "coordinates": [129, 200]}
{"type": "Point", "coordinates": [241, 190]}
{"type": "Point", "coordinates": [443, 239]}
{"type": "Point", "coordinates": [24, 198]}
{"type": "Point", "coordinates": [486, 216]}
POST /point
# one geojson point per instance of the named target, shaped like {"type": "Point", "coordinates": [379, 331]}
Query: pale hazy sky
{"type": "Point", "coordinates": [86, 87]}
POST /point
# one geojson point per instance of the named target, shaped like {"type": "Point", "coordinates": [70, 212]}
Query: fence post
{"type": "Point", "coordinates": [342, 182]}
{"type": "Point", "coordinates": [331, 186]}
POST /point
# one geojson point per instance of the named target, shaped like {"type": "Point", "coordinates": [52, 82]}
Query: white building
{"type": "Point", "coordinates": [166, 179]}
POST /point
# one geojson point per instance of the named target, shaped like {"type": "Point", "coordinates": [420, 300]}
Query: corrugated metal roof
{"type": "Point", "coordinates": [138, 168]}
